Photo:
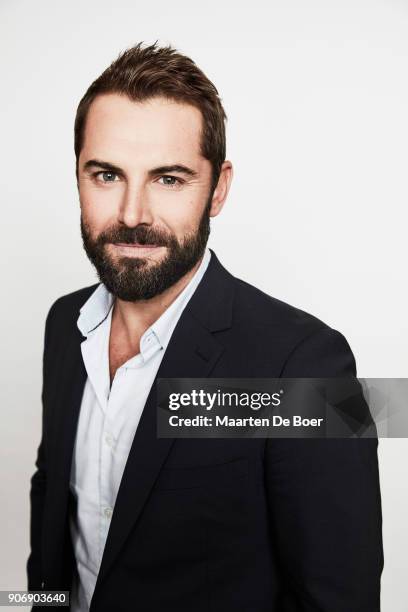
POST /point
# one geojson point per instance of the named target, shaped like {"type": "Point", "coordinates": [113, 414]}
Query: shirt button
{"type": "Point", "coordinates": [108, 512]}
{"type": "Point", "coordinates": [109, 440]}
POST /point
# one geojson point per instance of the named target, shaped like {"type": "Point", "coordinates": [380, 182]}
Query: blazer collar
{"type": "Point", "coordinates": [212, 301]}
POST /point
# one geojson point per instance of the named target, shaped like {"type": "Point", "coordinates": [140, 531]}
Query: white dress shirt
{"type": "Point", "coordinates": [108, 420]}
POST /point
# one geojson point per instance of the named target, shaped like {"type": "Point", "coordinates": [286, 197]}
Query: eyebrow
{"type": "Point", "coordinates": [180, 168]}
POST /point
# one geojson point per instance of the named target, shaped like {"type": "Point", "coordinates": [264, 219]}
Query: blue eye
{"type": "Point", "coordinates": [107, 176]}
{"type": "Point", "coordinates": [170, 181]}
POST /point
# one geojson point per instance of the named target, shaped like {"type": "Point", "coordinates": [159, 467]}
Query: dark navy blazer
{"type": "Point", "coordinates": [253, 525]}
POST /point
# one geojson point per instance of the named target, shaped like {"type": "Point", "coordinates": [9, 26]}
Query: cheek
{"type": "Point", "coordinates": [98, 206]}
{"type": "Point", "coordinates": [181, 212]}
{"type": "Point", "coordinates": [182, 220]}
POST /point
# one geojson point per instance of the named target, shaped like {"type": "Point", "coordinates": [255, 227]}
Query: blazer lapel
{"type": "Point", "coordinates": [65, 420]}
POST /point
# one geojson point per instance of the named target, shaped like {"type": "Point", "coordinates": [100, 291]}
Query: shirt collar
{"type": "Point", "coordinates": [95, 310]}
{"type": "Point", "coordinates": [99, 304]}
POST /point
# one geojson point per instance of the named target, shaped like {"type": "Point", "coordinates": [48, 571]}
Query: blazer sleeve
{"type": "Point", "coordinates": [38, 482]}
{"type": "Point", "coordinates": [324, 501]}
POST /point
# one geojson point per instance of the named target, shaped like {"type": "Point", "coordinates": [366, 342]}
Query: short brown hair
{"type": "Point", "coordinates": [142, 73]}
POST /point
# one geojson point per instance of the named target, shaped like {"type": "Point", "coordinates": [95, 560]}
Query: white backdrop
{"type": "Point", "coordinates": [316, 95]}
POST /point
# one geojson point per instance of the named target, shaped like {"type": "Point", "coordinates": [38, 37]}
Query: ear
{"type": "Point", "coordinates": [222, 189]}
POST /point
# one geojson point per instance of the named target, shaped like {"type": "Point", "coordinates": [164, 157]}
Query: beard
{"type": "Point", "coordinates": [136, 278]}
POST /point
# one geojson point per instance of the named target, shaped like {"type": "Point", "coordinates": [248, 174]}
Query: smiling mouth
{"type": "Point", "coordinates": [132, 249]}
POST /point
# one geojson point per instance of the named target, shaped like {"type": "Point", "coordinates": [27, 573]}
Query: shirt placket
{"type": "Point", "coordinates": [107, 467]}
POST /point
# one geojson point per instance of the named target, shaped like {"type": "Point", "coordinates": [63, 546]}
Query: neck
{"type": "Point", "coordinates": [134, 318]}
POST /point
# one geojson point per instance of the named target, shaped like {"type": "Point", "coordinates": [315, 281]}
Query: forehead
{"type": "Point", "coordinates": [152, 130]}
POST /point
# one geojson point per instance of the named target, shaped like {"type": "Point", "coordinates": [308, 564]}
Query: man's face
{"type": "Point", "coordinates": [145, 196]}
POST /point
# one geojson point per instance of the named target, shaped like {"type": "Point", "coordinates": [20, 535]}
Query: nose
{"type": "Point", "coordinates": [135, 207]}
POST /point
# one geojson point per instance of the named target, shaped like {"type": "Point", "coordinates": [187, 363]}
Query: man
{"type": "Point", "coordinates": [129, 521]}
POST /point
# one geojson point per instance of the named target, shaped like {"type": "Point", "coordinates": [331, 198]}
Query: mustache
{"type": "Point", "coordinates": [141, 234]}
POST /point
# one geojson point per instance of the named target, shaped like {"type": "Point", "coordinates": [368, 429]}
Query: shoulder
{"type": "Point", "coordinates": [257, 311]}
{"type": "Point", "coordinates": [265, 307]}
{"type": "Point", "coordinates": [307, 345]}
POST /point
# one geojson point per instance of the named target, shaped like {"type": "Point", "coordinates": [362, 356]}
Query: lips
{"type": "Point", "coordinates": [136, 244]}
{"type": "Point", "coordinates": [135, 249]}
